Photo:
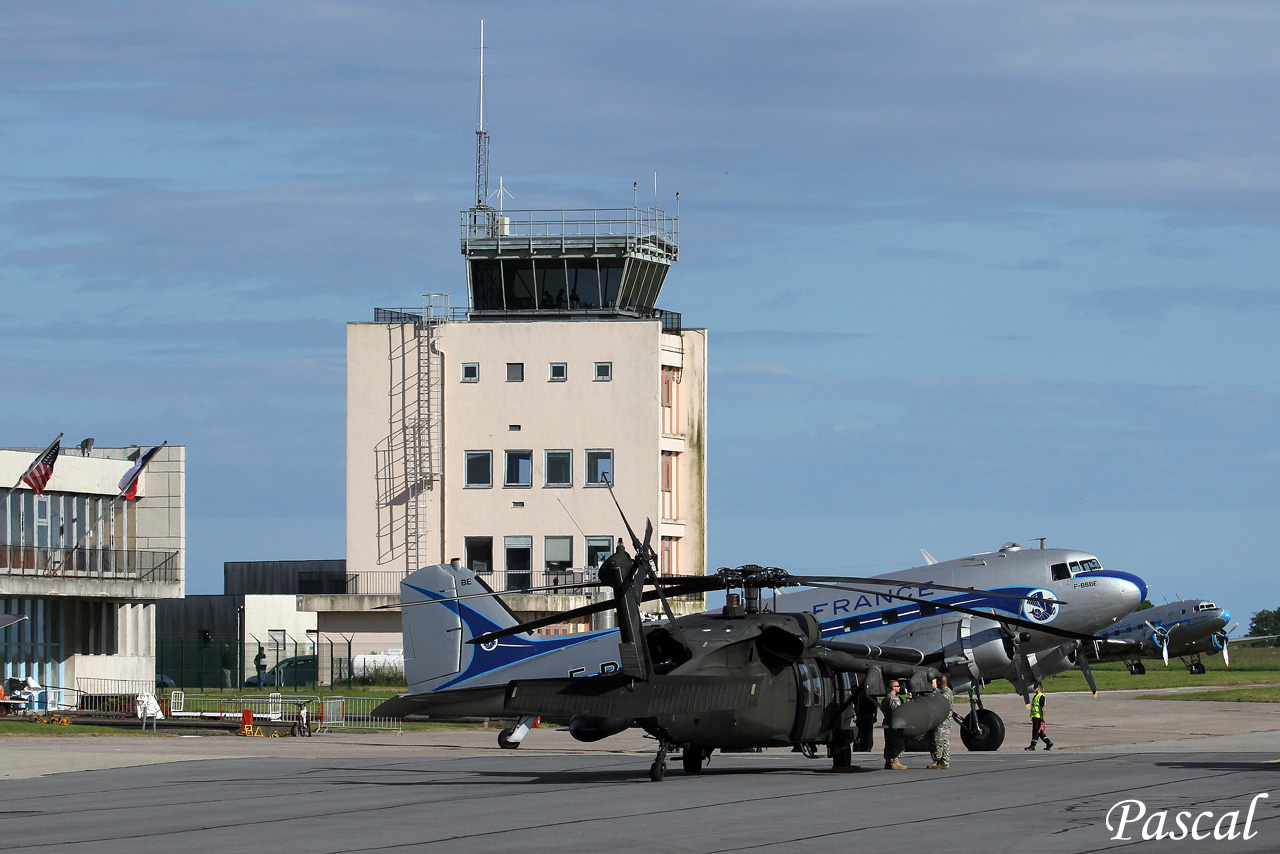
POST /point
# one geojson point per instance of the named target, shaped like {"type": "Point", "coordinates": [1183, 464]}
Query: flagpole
{"type": "Point", "coordinates": [39, 457]}
{"type": "Point", "coordinates": [88, 528]}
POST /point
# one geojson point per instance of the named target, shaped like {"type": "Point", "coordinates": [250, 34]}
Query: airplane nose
{"type": "Point", "coordinates": [1130, 589]}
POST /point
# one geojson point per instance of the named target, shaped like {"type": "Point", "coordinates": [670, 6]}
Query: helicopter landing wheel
{"type": "Point", "coordinates": [692, 760]}
{"type": "Point", "coordinates": [658, 769]}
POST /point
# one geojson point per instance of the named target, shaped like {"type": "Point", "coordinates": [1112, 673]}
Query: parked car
{"type": "Point", "coordinates": [301, 670]}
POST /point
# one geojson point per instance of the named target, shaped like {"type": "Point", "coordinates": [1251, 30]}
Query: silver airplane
{"type": "Point", "coordinates": [900, 621]}
{"type": "Point", "coordinates": [1186, 629]}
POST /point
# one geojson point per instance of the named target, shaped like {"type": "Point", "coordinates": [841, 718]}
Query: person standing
{"type": "Point", "coordinates": [895, 740]}
{"type": "Point", "coordinates": [940, 737]}
{"type": "Point", "coordinates": [1037, 719]}
{"type": "Point", "coordinates": [260, 665]}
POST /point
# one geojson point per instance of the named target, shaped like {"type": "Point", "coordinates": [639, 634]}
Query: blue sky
{"type": "Point", "coordinates": [974, 272]}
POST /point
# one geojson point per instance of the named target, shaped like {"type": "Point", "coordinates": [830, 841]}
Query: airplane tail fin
{"type": "Point", "coordinates": [436, 651]}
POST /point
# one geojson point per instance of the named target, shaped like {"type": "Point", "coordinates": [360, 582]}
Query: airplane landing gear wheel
{"type": "Point", "coordinates": [1137, 668]}
{"type": "Point", "coordinates": [504, 739]}
{"type": "Point", "coordinates": [692, 760]}
{"type": "Point", "coordinates": [1197, 669]}
{"type": "Point", "coordinates": [987, 734]}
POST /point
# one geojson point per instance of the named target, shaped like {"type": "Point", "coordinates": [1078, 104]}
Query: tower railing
{"type": "Point", "coordinates": [644, 230]}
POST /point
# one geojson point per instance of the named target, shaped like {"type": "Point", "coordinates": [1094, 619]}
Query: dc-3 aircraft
{"type": "Point", "coordinates": [750, 677]}
{"type": "Point", "coordinates": [1186, 629]}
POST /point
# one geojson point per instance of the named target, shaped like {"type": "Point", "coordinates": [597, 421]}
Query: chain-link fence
{"type": "Point", "coordinates": [271, 663]}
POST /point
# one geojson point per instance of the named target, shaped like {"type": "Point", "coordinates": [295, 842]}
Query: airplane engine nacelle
{"type": "Point", "coordinates": [988, 652]}
{"type": "Point", "coordinates": [789, 636]}
{"type": "Point", "coordinates": [589, 728]}
{"type": "Point", "coordinates": [1053, 661]}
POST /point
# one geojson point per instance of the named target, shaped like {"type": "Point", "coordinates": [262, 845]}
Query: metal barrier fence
{"type": "Point", "coordinates": [326, 714]}
{"type": "Point", "coordinates": [110, 696]}
{"type": "Point", "coordinates": [354, 713]}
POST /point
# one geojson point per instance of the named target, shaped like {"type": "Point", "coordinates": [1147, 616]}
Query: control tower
{"type": "Point", "coordinates": [569, 263]}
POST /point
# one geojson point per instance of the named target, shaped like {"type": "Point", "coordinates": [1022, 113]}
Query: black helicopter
{"type": "Point", "coordinates": [741, 679]}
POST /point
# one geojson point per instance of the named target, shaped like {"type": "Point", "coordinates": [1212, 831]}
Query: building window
{"type": "Point", "coordinates": [600, 468]}
{"type": "Point", "coordinates": [558, 554]}
{"type": "Point", "coordinates": [670, 408]}
{"type": "Point", "coordinates": [277, 638]}
{"type": "Point", "coordinates": [479, 469]}
{"type": "Point", "coordinates": [515, 372]}
{"type": "Point", "coordinates": [519, 557]}
{"type": "Point", "coordinates": [669, 559]}
{"type": "Point", "coordinates": [471, 372]}
{"type": "Point", "coordinates": [604, 372]}
{"type": "Point", "coordinates": [670, 495]}
{"type": "Point", "coordinates": [559, 468]}
{"type": "Point", "coordinates": [559, 372]}
{"type": "Point", "coordinates": [519, 468]}
{"type": "Point", "coordinates": [479, 554]}
{"type": "Point", "coordinates": [598, 548]}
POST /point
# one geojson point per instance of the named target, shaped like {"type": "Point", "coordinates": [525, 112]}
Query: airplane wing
{"type": "Point", "coordinates": [1253, 638]}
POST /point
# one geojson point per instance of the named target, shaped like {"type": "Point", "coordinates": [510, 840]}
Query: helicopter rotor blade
{"type": "Point", "coordinates": [558, 617]}
{"type": "Point", "coordinates": [635, 541]}
{"type": "Point", "coordinates": [557, 589]}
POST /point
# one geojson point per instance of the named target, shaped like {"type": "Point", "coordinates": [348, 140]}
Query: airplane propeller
{"type": "Point", "coordinates": [1082, 659]}
{"type": "Point", "coordinates": [1160, 636]}
{"type": "Point", "coordinates": [1222, 640]}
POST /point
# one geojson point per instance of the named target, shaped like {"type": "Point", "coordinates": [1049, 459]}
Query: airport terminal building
{"type": "Point", "coordinates": [489, 433]}
{"type": "Point", "coordinates": [86, 566]}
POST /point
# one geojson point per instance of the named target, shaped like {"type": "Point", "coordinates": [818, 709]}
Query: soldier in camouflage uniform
{"type": "Point", "coordinates": [940, 745]}
{"type": "Point", "coordinates": [894, 739]}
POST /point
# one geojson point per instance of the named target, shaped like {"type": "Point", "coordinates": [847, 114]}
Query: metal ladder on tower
{"type": "Point", "coordinates": [424, 441]}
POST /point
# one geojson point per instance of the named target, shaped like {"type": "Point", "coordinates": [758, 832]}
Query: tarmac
{"type": "Point", "coordinates": [457, 791]}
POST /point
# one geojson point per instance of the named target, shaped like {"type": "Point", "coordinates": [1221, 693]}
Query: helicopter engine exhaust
{"type": "Point", "coordinates": [789, 637]}
{"type": "Point", "coordinates": [590, 728]}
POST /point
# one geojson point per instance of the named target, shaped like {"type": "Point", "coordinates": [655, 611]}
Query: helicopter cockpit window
{"type": "Point", "coordinates": [1060, 572]}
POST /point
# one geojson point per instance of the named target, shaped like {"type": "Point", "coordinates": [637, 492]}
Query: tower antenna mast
{"type": "Point", "coordinates": [482, 137]}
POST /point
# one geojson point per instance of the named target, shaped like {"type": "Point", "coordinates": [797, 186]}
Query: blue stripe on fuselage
{"type": "Point", "coordinates": [907, 611]}
{"type": "Point", "coordinates": [506, 652]}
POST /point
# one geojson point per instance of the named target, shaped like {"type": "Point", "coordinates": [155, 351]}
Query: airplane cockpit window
{"type": "Point", "coordinates": [1075, 567]}
{"type": "Point", "coordinates": [1090, 565]}
{"type": "Point", "coordinates": [1205, 606]}
{"type": "Point", "coordinates": [1060, 572]}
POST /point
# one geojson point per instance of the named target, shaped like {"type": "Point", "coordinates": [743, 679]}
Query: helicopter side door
{"type": "Point", "coordinates": [814, 695]}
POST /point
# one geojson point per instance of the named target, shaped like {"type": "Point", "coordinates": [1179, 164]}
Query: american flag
{"type": "Point", "coordinates": [38, 473]}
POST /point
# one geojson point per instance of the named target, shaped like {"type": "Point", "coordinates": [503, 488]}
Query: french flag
{"type": "Point", "coordinates": [129, 483]}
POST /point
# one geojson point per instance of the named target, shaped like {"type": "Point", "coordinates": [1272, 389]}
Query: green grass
{"type": "Point", "coordinates": [33, 728]}
{"type": "Point", "coordinates": [1249, 666]}
{"type": "Point", "coordinates": [1261, 694]}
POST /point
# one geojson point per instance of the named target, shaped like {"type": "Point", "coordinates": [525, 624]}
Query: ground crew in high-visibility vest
{"type": "Point", "coordinates": [1037, 719]}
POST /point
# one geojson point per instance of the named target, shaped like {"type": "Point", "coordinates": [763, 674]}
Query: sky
{"type": "Point", "coordinates": [974, 272]}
